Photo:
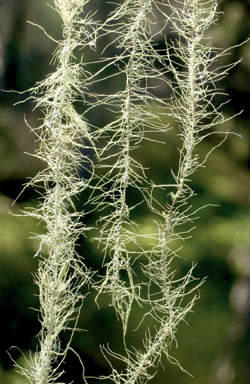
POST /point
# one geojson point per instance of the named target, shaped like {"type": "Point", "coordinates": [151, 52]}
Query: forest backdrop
{"type": "Point", "coordinates": [215, 346]}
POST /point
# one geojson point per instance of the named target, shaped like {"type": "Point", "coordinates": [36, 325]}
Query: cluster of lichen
{"type": "Point", "coordinates": [64, 136]}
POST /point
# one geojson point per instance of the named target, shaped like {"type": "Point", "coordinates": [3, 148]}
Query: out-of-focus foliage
{"type": "Point", "coordinates": [214, 348]}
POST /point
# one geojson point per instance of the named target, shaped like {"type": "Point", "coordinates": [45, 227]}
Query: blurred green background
{"type": "Point", "coordinates": [215, 346]}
